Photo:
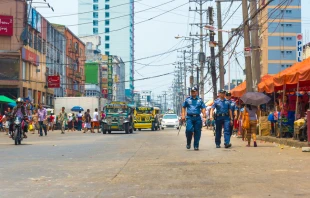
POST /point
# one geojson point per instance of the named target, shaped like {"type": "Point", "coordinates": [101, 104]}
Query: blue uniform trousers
{"type": "Point", "coordinates": [218, 134]}
{"type": "Point", "coordinates": [193, 124]}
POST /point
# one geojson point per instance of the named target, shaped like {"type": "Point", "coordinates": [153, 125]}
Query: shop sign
{"type": "Point", "coordinates": [6, 25]}
{"type": "Point", "coordinates": [247, 51]}
{"type": "Point", "coordinates": [30, 57]}
{"type": "Point", "coordinates": [53, 81]}
{"type": "Point", "coordinates": [299, 47]}
{"type": "Point", "coordinates": [110, 77]}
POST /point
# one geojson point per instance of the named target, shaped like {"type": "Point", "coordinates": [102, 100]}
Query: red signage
{"type": "Point", "coordinates": [53, 81]}
{"type": "Point", "coordinates": [30, 57]}
{"type": "Point", "coordinates": [6, 25]}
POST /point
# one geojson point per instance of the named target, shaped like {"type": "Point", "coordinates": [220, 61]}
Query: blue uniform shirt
{"type": "Point", "coordinates": [232, 105]}
{"type": "Point", "coordinates": [194, 105]}
{"type": "Point", "coordinates": [221, 106]}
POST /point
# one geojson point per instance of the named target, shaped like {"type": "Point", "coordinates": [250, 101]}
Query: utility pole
{"type": "Point", "coordinates": [247, 44]}
{"type": "Point", "coordinates": [255, 44]}
{"type": "Point", "coordinates": [201, 57]}
{"type": "Point", "coordinates": [165, 98]}
{"type": "Point", "coordinates": [220, 44]}
{"type": "Point", "coordinates": [213, 70]}
{"type": "Point", "coordinates": [185, 70]}
{"type": "Point", "coordinates": [192, 64]}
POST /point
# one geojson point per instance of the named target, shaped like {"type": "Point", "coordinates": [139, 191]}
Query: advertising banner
{"type": "Point", "coordinates": [30, 57]}
{"type": "Point", "coordinates": [299, 47]}
{"type": "Point", "coordinates": [53, 81]}
{"type": "Point", "coordinates": [6, 25]}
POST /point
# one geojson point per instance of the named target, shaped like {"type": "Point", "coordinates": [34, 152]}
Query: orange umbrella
{"type": "Point", "coordinates": [239, 90]}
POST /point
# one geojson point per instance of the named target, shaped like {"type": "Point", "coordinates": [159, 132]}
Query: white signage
{"type": "Point", "coordinates": [299, 47]}
{"type": "Point", "coordinates": [247, 51]}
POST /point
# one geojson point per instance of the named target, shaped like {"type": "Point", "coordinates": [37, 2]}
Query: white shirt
{"type": "Point", "coordinates": [95, 116]}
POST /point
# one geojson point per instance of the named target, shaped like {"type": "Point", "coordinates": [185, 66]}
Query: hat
{"type": "Point", "coordinates": [194, 89]}
{"type": "Point", "coordinates": [222, 91]}
{"type": "Point", "coordinates": [228, 93]}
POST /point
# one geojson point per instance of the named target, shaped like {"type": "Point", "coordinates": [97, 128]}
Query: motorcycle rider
{"type": "Point", "coordinates": [20, 111]}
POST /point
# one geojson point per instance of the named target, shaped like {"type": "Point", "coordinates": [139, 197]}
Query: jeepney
{"type": "Point", "coordinates": [147, 118]}
{"type": "Point", "coordinates": [119, 117]}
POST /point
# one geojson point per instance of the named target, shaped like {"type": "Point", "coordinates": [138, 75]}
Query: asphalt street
{"type": "Point", "coordinates": [148, 164]}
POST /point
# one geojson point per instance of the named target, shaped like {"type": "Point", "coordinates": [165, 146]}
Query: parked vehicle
{"type": "Point", "coordinates": [119, 117]}
{"type": "Point", "coordinates": [170, 121]}
{"type": "Point", "coordinates": [17, 135]}
{"type": "Point", "coordinates": [147, 118]}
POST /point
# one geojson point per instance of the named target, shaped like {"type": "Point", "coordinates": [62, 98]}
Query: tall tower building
{"type": "Point", "coordinates": [280, 28]}
{"type": "Point", "coordinates": [113, 20]}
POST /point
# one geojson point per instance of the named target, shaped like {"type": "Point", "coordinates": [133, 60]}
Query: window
{"type": "Point", "coordinates": [95, 22]}
{"type": "Point", "coordinates": [107, 30]}
{"type": "Point", "coordinates": [107, 38]}
{"type": "Point", "coordinates": [35, 42]}
{"type": "Point", "coordinates": [107, 22]}
{"type": "Point", "coordinates": [39, 45]}
{"type": "Point", "coordinates": [107, 45]}
{"type": "Point", "coordinates": [282, 66]}
{"type": "Point", "coordinates": [95, 15]}
{"type": "Point", "coordinates": [95, 7]}
{"type": "Point", "coordinates": [95, 1]}
{"type": "Point", "coordinates": [107, 7]}
{"type": "Point", "coordinates": [107, 53]}
{"type": "Point", "coordinates": [107, 0]}
{"type": "Point", "coordinates": [288, 11]}
{"type": "Point", "coordinates": [289, 52]}
{"type": "Point", "coordinates": [95, 30]}
{"type": "Point", "coordinates": [107, 14]}
{"type": "Point", "coordinates": [24, 70]}
{"type": "Point", "coordinates": [30, 39]}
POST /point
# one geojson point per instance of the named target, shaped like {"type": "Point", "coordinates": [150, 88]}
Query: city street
{"type": "Point", "coordinates": [148, 164]}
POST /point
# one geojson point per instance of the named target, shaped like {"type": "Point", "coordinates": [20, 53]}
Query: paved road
{"type": "Point", "coordinates": [148, 164]}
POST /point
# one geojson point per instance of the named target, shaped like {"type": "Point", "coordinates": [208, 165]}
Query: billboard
{"type": "Point", "coordinates": [53, 81]}
{"type": "Point", "coordinates": [6, 25]}
{"type": "Point", "coordinates": [110, 76]}
{"type": "Point", "coordinates": [30, 57]}
{"type": "Point", "coordinates": [299, 47]}
{"type": "Point", "coordinates": [34, 19]}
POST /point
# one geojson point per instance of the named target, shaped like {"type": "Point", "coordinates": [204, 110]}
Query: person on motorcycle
{"type": "Point", "coordinates": [20, 111]}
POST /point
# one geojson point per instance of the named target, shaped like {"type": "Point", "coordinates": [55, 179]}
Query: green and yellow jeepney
{"type": "Point", "coordinates": [147, 118]}
{"type": "Point", "coordinates": [119, 117]}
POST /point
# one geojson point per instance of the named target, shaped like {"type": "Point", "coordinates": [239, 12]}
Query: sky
{"type": "Point", "coordinates": [157, 36]}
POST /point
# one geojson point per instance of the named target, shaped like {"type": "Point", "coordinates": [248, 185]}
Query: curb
{"type": "Point", "coordinates": [288, 142]}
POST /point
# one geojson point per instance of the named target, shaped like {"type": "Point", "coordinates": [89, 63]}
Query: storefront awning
{"type": "Point", "coordinates": [239, 90]}
{"type": "Point", "coordinates": [263, 86]}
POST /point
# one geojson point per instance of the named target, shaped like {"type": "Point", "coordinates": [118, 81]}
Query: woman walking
{"type": "Point", "coordinates": [253, 115]}
{"type": "Point", "coordinates": [79, 119]}
{"type": "Point", "coordinates": [35, 122]}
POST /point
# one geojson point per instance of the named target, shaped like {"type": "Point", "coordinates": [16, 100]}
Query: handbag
{"type": "Point", "coordinates": [246, 120]}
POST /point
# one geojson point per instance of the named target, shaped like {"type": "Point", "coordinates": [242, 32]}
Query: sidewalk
{"type": "Point", "coordinates": [284, 141]}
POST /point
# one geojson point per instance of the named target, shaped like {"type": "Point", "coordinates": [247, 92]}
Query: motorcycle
{"type": "Point", "coordinates": [17, 135]}
{"type": "Point", "coordinates": [303, 132]}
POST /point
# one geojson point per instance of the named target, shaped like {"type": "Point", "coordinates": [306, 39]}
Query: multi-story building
{"type": "Point", "coordinates": [75, 58]}
{"type": "Point", "coordinates": [280, 28]}
{"type": "Point", "coordinates": [24, 65]}
{"type": "Point", "coordinates": [114, 21]}
{"type": "Point", "coordinates": [145, 97]}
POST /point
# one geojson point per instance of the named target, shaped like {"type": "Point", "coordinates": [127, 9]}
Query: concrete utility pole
{"type": "Point", "coordinates": [185, 71]}
{"type": "Point", "coordinates": [213, 70]}
{"type": "Point", "coordinates": [201, 57]}
{"type": "Point", "coordinates": [165, 98]}
{"type": "Point", "coordinates": [192, 63]}
{"type": "Point", "coordinates": [247, 44]}
{"type": "Point", "coordinates": [255, 44]}
{"type": "Point", "coordinates": [220, 44]}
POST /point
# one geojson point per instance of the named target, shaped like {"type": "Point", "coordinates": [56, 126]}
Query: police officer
{"type": "Point", "coordinates": [233, 108]}
{"type": "Point", "coordinates": [223, 117]}
{"type": "Point", "coordinates": [192, 108]}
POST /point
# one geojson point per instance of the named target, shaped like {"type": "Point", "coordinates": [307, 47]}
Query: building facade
{"type": "Point", "coordinates": [113, 20]}
{"type": "Point", "coordinates": [75, 60]}
{"type": "Point", "coordinates": [145, 97]}
{"type": "Point", "coordinates": [23, 61]}
{"type": "Point", "coordinates": [280, 26]}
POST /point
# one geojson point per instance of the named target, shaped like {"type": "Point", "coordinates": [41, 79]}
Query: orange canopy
{"type": "Point", "coordinates": [265, 81]}
{"type": "Point", "coordinates": [239, 90]}
{"type": "Point", "coordinates": [304, 73]}
{"type": "Point", "coordinates": [289, 76]}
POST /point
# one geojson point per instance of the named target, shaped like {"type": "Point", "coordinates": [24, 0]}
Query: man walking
{"type": "Point", "coordinates": [87, 121]}
{"type": "Point", "coordinates": [95, 123]}
{"type": "Point", "coordinates": [223, 117]}
{"type": "Point", "coordinates": [233, 108]}
{"type": "Point", "coordinates": [192, 108]}
{"type": "Point", "coordinates": [63, 117]}
{"type": "Point", "coordinates": [42, 117]}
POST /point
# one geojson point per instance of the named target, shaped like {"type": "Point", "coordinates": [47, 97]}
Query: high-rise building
{"type": "Point", "coordinates": [113, 20]}
{"type": "Point", "coordinates": [280, 28]}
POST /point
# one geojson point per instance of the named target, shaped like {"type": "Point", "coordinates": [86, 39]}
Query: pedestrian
{"type": "Point", "coordinates": [74, 124]}
{"type": "Point", "coordinates": [35, 121]}
{"type": "Point", "coordinates": [253, 113]}
{"type": "Point", "coordinates": [9, 121]}
{"type": "Point", "coordinates": [192, 107]}
{"type": "Point", "coordinates": [42, 118]}
{"type": "Point", "coordinates": [51, 119]}
{"type": "Point", "coordinates": [95, 123]}
{"type": "Point", "coordinates": [80, 120]}
{"type": "Point", "coordinates": [70, 122]}
{"type": "Point", "coordinates": [1, 124]}
{"type": "Point", "coordinates": [87, 121]}
{"type": "Point", "coordinates": [63, 118]}
{"type": "Point", "coordinates": [232, 107]}
{"type": "Point", "coordinates": [223, 117]}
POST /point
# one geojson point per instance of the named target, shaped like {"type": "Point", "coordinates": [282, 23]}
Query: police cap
{"type": "Point", "coordinates": [228, 93]}
{"type": "Point", "coordinates": [194, 89]}
{"type": "Point", "coordinates": [222, 91]}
